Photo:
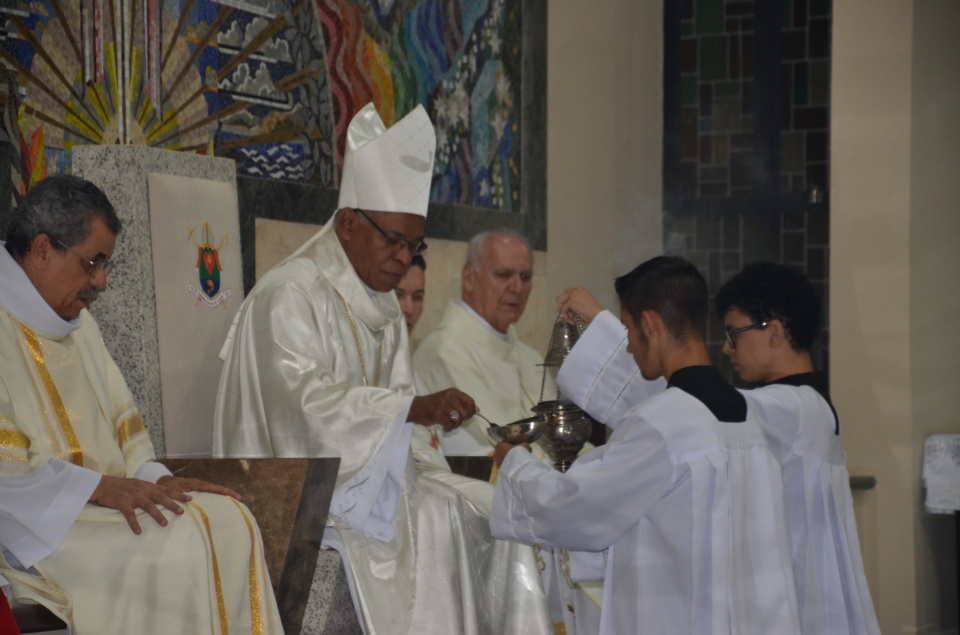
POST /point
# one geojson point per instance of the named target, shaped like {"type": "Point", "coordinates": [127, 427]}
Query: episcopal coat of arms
{"type": "Point", "coordinates": [209, 268]}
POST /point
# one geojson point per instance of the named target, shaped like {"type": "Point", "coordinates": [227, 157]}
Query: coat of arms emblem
{"type": "Point", "coordinates": [209, 268]}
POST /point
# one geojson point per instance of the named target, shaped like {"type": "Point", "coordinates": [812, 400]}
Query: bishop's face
{"type": "Point", "coordinates": [379, 245]}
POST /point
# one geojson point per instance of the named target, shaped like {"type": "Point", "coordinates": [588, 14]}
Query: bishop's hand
{"type": "Point", "coordinates": [127, 495]}
{"type": "Point", "coordinates": [448, 408]}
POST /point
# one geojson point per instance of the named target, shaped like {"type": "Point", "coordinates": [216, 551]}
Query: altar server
{"type": "Point", "coordinates": [685, 495]}
{"type": "Point", "coordinates": [772, 315]}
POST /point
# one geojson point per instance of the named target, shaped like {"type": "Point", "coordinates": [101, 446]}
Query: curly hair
{"type": "Point", "coordinates": [766, 291]}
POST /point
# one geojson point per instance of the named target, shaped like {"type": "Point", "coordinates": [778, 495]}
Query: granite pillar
{"type": "Point", "coordinates": [127, 311]}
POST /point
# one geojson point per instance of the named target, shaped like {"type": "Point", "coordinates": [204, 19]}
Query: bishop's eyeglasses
{"type": "Point", "coordinates": [394, 240]}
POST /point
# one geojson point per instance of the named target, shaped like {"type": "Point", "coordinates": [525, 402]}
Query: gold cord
{"type": "Point", "coordinates": [356, 341]}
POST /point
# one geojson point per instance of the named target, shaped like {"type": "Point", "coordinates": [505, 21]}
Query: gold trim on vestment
{"type": "Point", "coordinates": [13, 439]}
{"type": "Point", "coordinates": [76, 454]}
{"type": "Point", "coordinates": [256, 618]}
{"type": "Point", "coordinates": [14, 446]}
{"type": "Point", "coordinates": [129, 428]}
{"type": "Point", "coordinates": [221, 606]}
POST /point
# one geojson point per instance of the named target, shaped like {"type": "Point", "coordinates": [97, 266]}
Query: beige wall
{"type": "Point", "coordinates": [895, 259]}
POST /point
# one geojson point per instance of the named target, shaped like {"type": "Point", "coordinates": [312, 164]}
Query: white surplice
{"type": "Point", "coordinates": [804, 434]}
{"type": "Point", "coordinates": [689, 509]}
{"type": "Point", "coordinates": [318, 364]}
{"type": "Point", "coordinates": [66, 419]}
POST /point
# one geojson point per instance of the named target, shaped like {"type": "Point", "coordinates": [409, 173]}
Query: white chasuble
{"type": "Point", "coordinates": [502, 374]}
{"type": "Point", "coordinates": [67, 417]}
{"type": "Point", "coordinates": [318, 365]}
{"type": "Point", "coordinates": [804, 435]}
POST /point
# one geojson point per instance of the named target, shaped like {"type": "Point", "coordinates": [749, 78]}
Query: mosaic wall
{"type": "Point", "coordinates": [749, 179]}
{"type": "Point", "coordinates": [272, 84]}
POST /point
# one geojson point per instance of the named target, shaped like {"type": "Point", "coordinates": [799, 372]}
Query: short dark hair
{"type": "Point", "coordinates": [418, 261]}
{"type": "Point", "coordinates": [766, 291]}
{"type": "Point", "coordinates": [671, 286]}
{"type": "Point", "coordinates": [62, 207]}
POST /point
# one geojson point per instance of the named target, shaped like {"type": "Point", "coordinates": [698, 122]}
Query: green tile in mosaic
{"type": "Point", "coordinates": [726, 89]}
{"type": "Point", "coordinates": [688, 55]}
{"type": "Point", "coordinates": [727, 114]}
{"type": "Point", "coordinates": [793, 245]}
{"type": "Point", "coordinates": [786, 13]}
{"type": "Point", "coordinates": [801, 86]}
{"type": "Point", "coordinates": [820, 83]}
{"type": "Point", "coordinates": [688, 90]}
{"type": "Point", "coordinates": [688, 28]}
{"type": "Point", "coordinates": [713, 58]}
{"type": "Point", "coordinates": [721, 148]}
{"type": "Point", "coordinates": [791, 151]}
{"type": "Point", "coordinates": [709, 16]}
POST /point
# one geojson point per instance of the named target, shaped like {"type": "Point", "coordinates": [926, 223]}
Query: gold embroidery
{"type": "Point", "coordinates": [221, 607]}
{"type": "Point", "coordinates": [13, 439]}
{"type": "Point", "coordinates": [356, 340]}
{"type": "Point", "coordinates": [255, 617]}
{"type": "Point", "coordinates": [76, 454]}
{"type": "Point", "coordinates": [129, 428]}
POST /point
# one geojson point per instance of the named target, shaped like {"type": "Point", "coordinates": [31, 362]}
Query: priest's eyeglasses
{"type": "Point", "coordinates": [733, 333]}
{"type": "Point", "coordinates": [91, 267]}
{"type": "Point", "coordinates": [396, 241]}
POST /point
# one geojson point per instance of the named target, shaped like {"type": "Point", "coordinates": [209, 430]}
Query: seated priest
{"type": "Point", "coordinates": [92, 527]}
{"type": "Point", "coordinates": [685, 496]}
{"type": "Point", "coordinates": [318, 363]}
{"type": "Point", "coordinates": [771, 316]}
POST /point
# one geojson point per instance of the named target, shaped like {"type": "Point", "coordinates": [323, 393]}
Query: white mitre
{"type": "Point", "coordinates": [388, 170]}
